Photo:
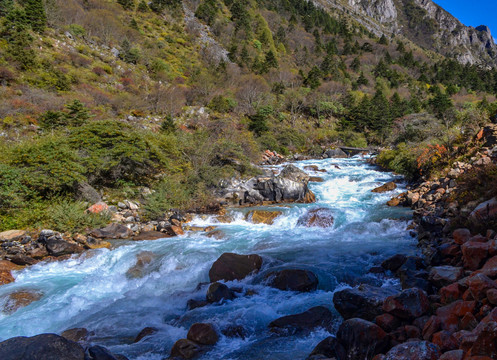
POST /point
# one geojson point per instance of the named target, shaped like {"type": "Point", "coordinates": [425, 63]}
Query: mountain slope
{"type": "Point", "coordinates": [426, 24]}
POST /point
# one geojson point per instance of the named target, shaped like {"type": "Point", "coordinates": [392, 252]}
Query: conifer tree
{"type": "Point", "coordinates": [35, 14]}
{"type": "Point", "coordinates": [383, 40]}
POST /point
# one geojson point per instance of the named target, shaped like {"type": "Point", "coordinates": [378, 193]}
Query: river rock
{"type": "Point", "coordinates": [262, 216]}
{"type": "Point", "coordinates": [414, 350]}
{"type": "Point", "coordinates": [363, 302]}
{"type": "Point", "coordinates": [142, 265]}
{"type": "Point", "coordinates": [389, 186]}
{"type": "Point", "coordinates": [112, 231]}
{"type": "Point", "coordinates": [362, 339]}
{"type": "Point", "coordinates": [316, 179]}
{"type": "Point", "coordinates": [98, 208]}
{"type": "Point", "coordinates": [11, 235]}
{"type": "Point", "coordinates": [486, 342]}
{"type": "Point", "coordinates": [20, 299]}
{"type": "Point", "coordinates": [150, 235]}
{"type": "Point", "coordinates": [394, 263]}
{"type": "Point", "coordinates": [474, 254]}
{"type": "Point", "coordinates": [461, 236]}
{"type": "Point", "coordinates": [6, 277]}
{"type": "Point", "coordinates": [186, 349]}
{"type": "Point", "coordinates": [231, 266]}
{"type": "Point", "coordinates": [145, 332]}
{"type": "Point", "coordinates": [318, 316]}
{"type": "Point", "coordinates": [330, 348]}
{"type": "Point", "coordinates": [293, 280]}
{"type": "Point", "coordinates": [486, 211]}
{"type": "Point", "coordinates": [335, 153]}
{"type": "Point", "coordinates": [59, 247]}
{"type": "Point", "coordinates": [313, 168]}
{"type": "Point", "coordinates": [218, 292]}
{"type": "Point", "coordinates": [445, 275]}
{"type": "Point", "coordinates": [98, 352]}
{"type": "Point", "coordinates": [203, 334]}
{"type": "Point", "coordinates": [79, 335]}
{"type": "Point", "coordinates": [322, 217]}
{"type": "Point", "coordinates": [409, 304]}
{"type": "Point", "coordinates": [41, 347]}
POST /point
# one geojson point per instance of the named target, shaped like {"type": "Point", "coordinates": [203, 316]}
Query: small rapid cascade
{"type": "Point", "coordinates": [98, 291]}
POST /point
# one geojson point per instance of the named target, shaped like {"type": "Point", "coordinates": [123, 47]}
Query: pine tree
{"type": "Point", "coordinates": [383, 40]}
{"type": "Point", "coordinates": [127, 4]}
{"type": "Point", "coordinates": [313, 78]}
{"type": "Point", "coordinates": [142, 6]}
{"type": "Point", "coordinates": [168, 126]}
{"type": "Point", "coordinates": [356, 64]}
{"type": "Point", "coordinates": [6, 6]}
{"type": "Point", "coordinates": [18, 38]}
{"type": "Point", "coordinates": [35, 14]}
{"type": "Point", "coordinates": [78, 114]}
{"type": "Point", "coordinates": [362, 80]}
{"type": "Point", "coordinates": [270, 61]}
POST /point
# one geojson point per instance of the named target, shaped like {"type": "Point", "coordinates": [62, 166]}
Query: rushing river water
{"type": "Point", "coordinates": [93, 291]}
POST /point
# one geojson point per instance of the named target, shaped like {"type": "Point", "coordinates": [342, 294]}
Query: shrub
{"type": "Point", "coordinates": [65, 215]}
{"type": "Point", "coordinates": [222, 104]}
{"type": "Point", "coordinates": [169, 193]}
{"type": "Point", "coordinates": [402, 160]}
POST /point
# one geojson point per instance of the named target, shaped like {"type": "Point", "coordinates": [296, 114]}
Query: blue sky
{"type": "Point", "coordinates": [473, 13]}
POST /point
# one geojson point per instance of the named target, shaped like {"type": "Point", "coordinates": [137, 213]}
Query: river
{"type": "Point", "coordinates": [93, 290]}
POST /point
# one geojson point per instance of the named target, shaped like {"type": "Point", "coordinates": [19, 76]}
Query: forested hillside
{"type": "Point", "coordinates": [126, 96]}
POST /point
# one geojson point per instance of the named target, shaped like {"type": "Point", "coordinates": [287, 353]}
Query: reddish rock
{"type": "Point", "coordinates": [203, 334]}
{"type": "Point", "coordinates": [432, 326]}
{"type": "Point", "coordinates": [445, 341]}
{"type": "Point", "coordinates": [458, 308]}
{"type": "Point", "coordinates": [231, 266]}
{"type": "Point", "coordinates": [492, 296]}
{"type": "Point", "coordinates": [490, 267]}
{"type": "Point", "coordinates": [98, 208]}
{"type": "Point", "coordinates": [453, 355]}
{"type": "Point", "coordinates": [361, 339]}
{"type": "Point", "coordinates": [484, 212]}
{"type": "Point", "coordinates": [474, 254]}
{"type": "Point", "coordinates": [445, 275]}
{"type": "Point", "coordinates": [451, 293]}
{"type": "Point", "coordinates": [409, 304]}
{"type": "Point", "coordinates": [6, 277]}
{"type": "Point", "coordinates": [468, 322]}
{"type": "Point", "coordinates": [486, 342]}
{"type": "Point", "coordinates": [20, 299]}
{"type": "Point", "coordinates": [322, 217]}
{"type": "Point", "coordinates": [450, 250]}
{"type": "Point", "coordinates": [412, 332]}
{"type": "Point", "coordinates": [479, 284]}
{"type": "Point", "coordinates": [330, 348]}
{"type": "Point", "coordinates": [414, 350]}
{"type": "Point", "coordinates": [387, 322]}
{"type": "Point", "coordinates": [466, 339]}
{"type": "Point", "coordinates": [80, 335]}
{"type": "Point", "coordinates": [461, 236]}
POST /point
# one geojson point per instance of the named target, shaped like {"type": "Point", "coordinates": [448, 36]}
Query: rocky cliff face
{"type": "Point", "coordinates": [426, 24]}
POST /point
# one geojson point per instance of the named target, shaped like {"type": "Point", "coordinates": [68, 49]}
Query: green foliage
{"type": "Point", "coordinates": [313, 78]}
{"type": "Point", "coordinates": [440, 103]}
{"type": "Point", "coordinates": [222, 104]}
{"type": "Point", "coordinates": [129, 54]}
{"type": "Point", "coordinates": [77, 30]}
{"type": "Point", "coordinates": [127, 4]}
{"type": "Point", "coordinates": [168, 126]}
{"type": "Point", "coordinates": [383, 40]}
{"type": "Point", "coordinates": [15, 31]}
{"type": "Point", "coordinates": [402, 160]}
{"type": "Point", "coordinates": [69, 216]}
{"type": "Point", "coordinates": [76, 115]}
{"type": "Point", "coordinates": [142, 6]}
{"type": "Point", "coordinates": [168, 194]}
{"type": "Point", "coordinates": [35, 14]}
{"type": "Point", "coordinates": [159, 5]}
{"type": "Point", "coordinates": [208, 10]}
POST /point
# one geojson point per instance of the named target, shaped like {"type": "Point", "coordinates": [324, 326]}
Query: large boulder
{"type": "Point", "coordinates": [59, 247]}
{"type": "Point", "coordinates": [186, 349]}
{"type": "Point", "coordinates": [445, 275]}
{"type": "Point", "coordinates": [41, 347]}
{"type": "Point", "coordinates": [362, 339]}
{"type": "Point", "coordinates": [335, 153]}
{"type": "Point", "coordinates": [315, 317]}
{"type": "Point", "coordinates": [112, 231]}
{"type": "Point", "coordinates": [329, 348]}
{"type": "Point", "coordinates": [474, 254]}
{"type": "Point", "coordinates": [363, 302]}
{"type": "Point", "coordinates": [203, 334]}
{"type": "Point", "coordinates": [11, 235]}
{"type": "Point", "coordinates": [293, 280]}
{"type": "Point", "coordinates": [322, 217]}
{"type": "Point", "coordinates": [20, 299]}
{"type": "Point", "coordinates": [414, 350]}
{"type": "Point", "coordinates": [231, 266]}
{"type": "Point", "coordinates": [409, 304]}
{"type": "Point", "coordinates": [262, 216]}
{"type": "Point", "coordinates": [486, 211]}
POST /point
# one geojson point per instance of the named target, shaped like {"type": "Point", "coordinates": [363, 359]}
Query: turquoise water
{"type": "Point", "coordinates": [93, 291]}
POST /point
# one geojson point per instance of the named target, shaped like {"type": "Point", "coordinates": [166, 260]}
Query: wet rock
{"type": "Point", "coordinates": [203, 334]}
{"type": "Point", "coordinates": [186, 349]}
{"type": "Point", "coordinates": [490, 267]}
{"type": "Point", "coordinates": [6, 277]}
{"type": "Point", "coordinates": [444, 275]}
{"type": "Point", "coordinates": [144, 333]}
{"type": "Point", "coordinates": [194, 304]}
{"type": "Point", "coordinates": [41, 347]}
{"type": "Point", "coordinates": [451, 293]}
{"type": "Point", "coordinates": [409, 304]}
{"type": "Point", "coordinates": [97, 352]}
{"type": "Point", "coordinates": [363, 302]}
{"type": "Point", "coordinates": [329, 348]}
{"type": "Point", "coordinates": [389, 186]}
{"type": "Point", "coordinates": [414, 350]}
{"type": "Point", "coordinates": [216, 234]}
{"type": "Point", "coordinates": [20, 299]}
{"type": "Point", "coordinates": [316, 179]}
{"type": "Point", "coordinates": [474, 254]}
{"type": "Point", "coordinates": [315, 317]}
{"type": "Point", "coordinates": [262, 216]}
{"type": "Point", "coordinates": [231, 266]}
{"type": "Point", "coordinates": [322, 217]}
{"type": "Point", "coordinates": [142, 265]}
{"type": "Point", "coordinates": [150, 235]}
{"type": "Point", "coordinates": [394, 263]}
{"type": "Point", "coordinates": [361, 339]}
{"type": "Point", "coordinates": [313, 168]}
{"type": "Point", "coordinates": [293, 280]}
{"type": "Point", "coordinates": [174, 230]}
{"type": "Point", "coordinates": [335, 153]}
{"type": "Point", "coordinates": [112, 231]}
{"type": "Point", "coordinates": [387, 322]}
{"type": "Point", "coordinates": [11, 235]}
{"type": "Point", "coordinates": [234, 331]}
{"type": "Point", "coordinates": [79, 335]}
{"type": "Point", "coordinates": [218, 292]}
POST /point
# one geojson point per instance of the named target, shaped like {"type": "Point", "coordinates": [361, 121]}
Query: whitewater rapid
{"type": "Point", "coordinates": [94, 292]}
